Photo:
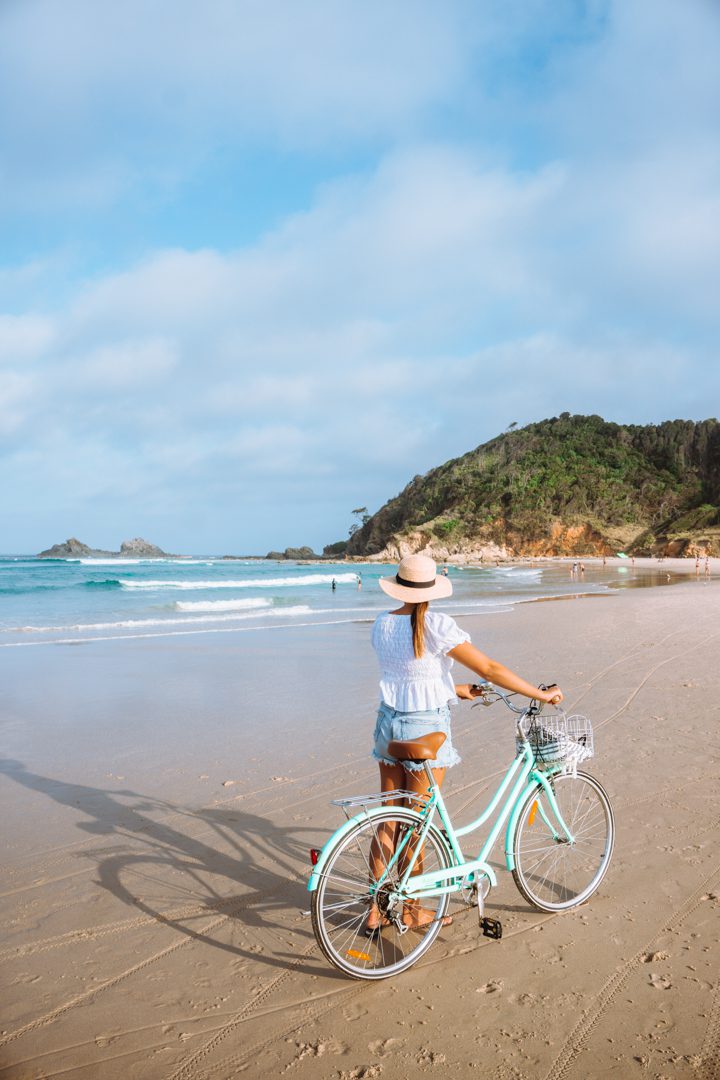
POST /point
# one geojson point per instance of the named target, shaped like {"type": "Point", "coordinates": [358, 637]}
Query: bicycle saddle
{"type": "Point", "coordinates": [417, 750]}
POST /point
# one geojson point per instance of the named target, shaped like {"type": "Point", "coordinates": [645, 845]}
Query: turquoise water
{"type": "Point", "coordinates": [73, 600]}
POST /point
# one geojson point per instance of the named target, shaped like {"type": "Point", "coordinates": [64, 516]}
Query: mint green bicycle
{"type": "Point", "coordinates": [393, 853]}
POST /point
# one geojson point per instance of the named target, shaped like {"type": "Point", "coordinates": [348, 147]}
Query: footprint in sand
{"type": "Point", "coordinates": [384, 1047]}
{"type": "Point", "coordinates": [354, 1012]}
{"type": "Point", "coordinates": [430, 1057]}
{"type": "Point", "coordinates": [651, 957]}
{"type": "Point", "coordinates": [493, 987]}
{"type": "Point", "coordinates": [319, 1049]}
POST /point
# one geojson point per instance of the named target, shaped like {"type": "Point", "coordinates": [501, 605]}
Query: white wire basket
{"type": "Point", "coordinates": [559, 739]}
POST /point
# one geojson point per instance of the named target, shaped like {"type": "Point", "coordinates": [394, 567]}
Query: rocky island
{"type": "Point", "coordinates": [129, 549]}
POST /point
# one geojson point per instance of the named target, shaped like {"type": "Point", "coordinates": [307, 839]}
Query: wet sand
{"type": "Point", "coordinates": [159, 799]}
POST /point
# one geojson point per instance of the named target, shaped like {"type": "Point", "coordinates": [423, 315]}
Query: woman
{"type": "Point", "coordinates": [416, 648]}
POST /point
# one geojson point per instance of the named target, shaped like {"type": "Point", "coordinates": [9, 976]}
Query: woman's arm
{"type": "Point", "coordinates": [495, 672]}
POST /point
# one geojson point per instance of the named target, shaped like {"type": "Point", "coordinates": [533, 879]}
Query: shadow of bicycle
{"type": "Point", "coordinates": [194, 870]}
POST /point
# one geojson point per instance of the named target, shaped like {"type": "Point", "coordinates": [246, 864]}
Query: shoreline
{"type": "Point", "coordinates": [158, 820]}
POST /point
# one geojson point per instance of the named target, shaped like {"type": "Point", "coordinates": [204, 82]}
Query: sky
{"type": "Point", "coordinates": [261, 263]}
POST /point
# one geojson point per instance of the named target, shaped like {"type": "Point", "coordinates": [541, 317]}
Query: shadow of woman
{"type": "Point", "coordinates": [218, 844]}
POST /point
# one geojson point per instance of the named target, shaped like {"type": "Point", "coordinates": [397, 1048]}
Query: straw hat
{"type": "Point", "coordinates": [416, 581]}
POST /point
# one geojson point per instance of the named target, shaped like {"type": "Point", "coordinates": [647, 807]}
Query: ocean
{"type": "Point", "coordinates": [69, 601]}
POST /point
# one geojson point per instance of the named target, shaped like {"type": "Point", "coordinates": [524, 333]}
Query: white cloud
{"type": "Point", "coordinates": [125, 365]}
{"type": "Point", "coordinates": [24, 337]}
{"type": "Point", "coordinates": [16, 391]}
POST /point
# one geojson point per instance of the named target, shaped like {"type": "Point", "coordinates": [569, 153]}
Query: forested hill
{"type": "Point", "coordinates": [569, 485]}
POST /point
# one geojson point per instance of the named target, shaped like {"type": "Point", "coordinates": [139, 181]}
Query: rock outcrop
{"type": "Point", "coordinates": [141, 549]}
{"type": "Point", "coordinates": [71, 549]}
{"type": "Point", "coordinates": [296, 554]}
{"type": "Point", "coordinates": [129, 549]}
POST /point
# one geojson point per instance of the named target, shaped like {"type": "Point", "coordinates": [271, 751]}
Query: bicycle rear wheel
{"type": "Point", "coordinates": [342, 901]}
{"type": "Point", "coordinates": [552, 873]}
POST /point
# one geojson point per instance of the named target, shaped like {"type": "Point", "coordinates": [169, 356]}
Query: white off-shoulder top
{"type": "Point", "coordinates": [409, 684]}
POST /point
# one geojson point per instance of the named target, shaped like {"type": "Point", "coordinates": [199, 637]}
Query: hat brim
{"type": "Point", "coordinates": [441, 588]}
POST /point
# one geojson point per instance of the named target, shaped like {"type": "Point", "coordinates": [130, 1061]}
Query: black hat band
{"type": "Point", "coordinates": [414, 584]}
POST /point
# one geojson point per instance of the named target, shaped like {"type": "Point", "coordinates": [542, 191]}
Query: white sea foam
{"type": "Point", "coordinates": [144, 562]}
{"type": "Point", "coordinates": [249, 583]}
{"type": "Point", "coordinates": [221, 605]}
{"type": "Point", "coordinates": [164, 633]}
{"type": "Point", "coordinates": [516, 571]}
{"type": "Point", "coordinates": [122, 624]}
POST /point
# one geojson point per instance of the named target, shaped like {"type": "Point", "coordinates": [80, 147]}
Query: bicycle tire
{"type": "Point", "coordinates": [552, 874]}
{"type": "Point", "coordinates": [342, 900]}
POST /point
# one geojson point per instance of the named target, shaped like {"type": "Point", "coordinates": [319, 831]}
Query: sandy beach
{"type": "Point", "coordinates": [158, 801]}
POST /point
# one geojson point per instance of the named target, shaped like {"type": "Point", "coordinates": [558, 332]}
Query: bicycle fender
{"type": "Point", "coordinates": [512, 823]}
{"type": "Point", "coordinates": [336, 837]}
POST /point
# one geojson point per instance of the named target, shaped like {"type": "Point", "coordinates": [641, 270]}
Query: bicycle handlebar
{"type": "Point", "coordinates": [533, 709]}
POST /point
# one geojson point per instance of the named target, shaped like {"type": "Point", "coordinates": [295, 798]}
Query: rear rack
{"type": "Point", "coordinates": [378, 798]}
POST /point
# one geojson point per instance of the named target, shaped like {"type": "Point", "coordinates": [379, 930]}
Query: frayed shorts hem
{"type": "Point", "coordinates": [412, 766]}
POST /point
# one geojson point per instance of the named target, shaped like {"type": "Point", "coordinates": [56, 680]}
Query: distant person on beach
{"type": "Point", "coordinates": [359, 581]}
{"type": "Point", "coordinates": [416, 648]}
{"type": "Point", "coordinates": [573, 571]}
{"type": "Point", "coordinates": [582, 568]}
{"type": "Point", "coordinates": [333, 585]}
{"type": "Point", "coordinates": [445, 571]}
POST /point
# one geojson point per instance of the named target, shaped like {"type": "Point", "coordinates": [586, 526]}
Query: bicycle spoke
{"type": "Point", "coordinates": [559, 873]}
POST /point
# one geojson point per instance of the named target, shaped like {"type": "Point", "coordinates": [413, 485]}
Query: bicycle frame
{"type": "Point", "coordinates": [526, 778]}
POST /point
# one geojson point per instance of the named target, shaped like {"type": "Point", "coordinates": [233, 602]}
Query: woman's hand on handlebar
{"type": "Point", "coordinates": [468, 691]}
{"type": "Point", "coordinates": [552, 696]}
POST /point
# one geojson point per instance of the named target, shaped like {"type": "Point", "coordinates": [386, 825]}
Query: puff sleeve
{"type": "Point", "coordinates": [444, 632]}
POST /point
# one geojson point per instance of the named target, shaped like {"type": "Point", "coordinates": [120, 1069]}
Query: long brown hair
{"type": "Point", "coordinates": [417, 621]}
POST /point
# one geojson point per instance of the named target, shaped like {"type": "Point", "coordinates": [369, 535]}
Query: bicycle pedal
{"type": "Point", "coordinates": [491, 928]}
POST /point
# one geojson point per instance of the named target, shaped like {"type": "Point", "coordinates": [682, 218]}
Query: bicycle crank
{"type": "Point", "coordinates": [491, 928]}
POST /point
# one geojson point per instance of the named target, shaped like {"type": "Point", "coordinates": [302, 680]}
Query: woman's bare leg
{"type": "Point", "coordinates": [392, 778]}
{"type": "Point", "coordinates": [414, 915]}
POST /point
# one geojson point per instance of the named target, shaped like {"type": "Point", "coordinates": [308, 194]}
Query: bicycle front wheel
{"type": "Point", "coordinates": [346, 894]}
{"type": "Point", "coordinates": [552, 872]}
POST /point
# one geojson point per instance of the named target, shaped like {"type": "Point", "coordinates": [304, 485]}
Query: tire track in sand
{"type": "Point", "coordinates": [88, 995]}
{"type": "Point", "coordinates": [73, 937]}
{"type": "Point", "coordinates": [186, 1070]}
{"type": "Point", "coordinates": [648, 676]}
{"type": "Point", "coordinates": [576, 1040]}
{"type": "Point", "coordinates": [710, 1052]}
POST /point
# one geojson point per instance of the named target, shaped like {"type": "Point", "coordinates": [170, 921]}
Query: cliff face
{"type": "Point", "coordinates": [572, 485]}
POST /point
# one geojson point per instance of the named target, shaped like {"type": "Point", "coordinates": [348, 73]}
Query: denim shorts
{"type": "Point", "coordinates": [392, 724]}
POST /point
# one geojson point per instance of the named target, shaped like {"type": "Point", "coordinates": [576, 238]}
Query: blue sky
{"type": "Point", "coordinates": [262, 263]}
